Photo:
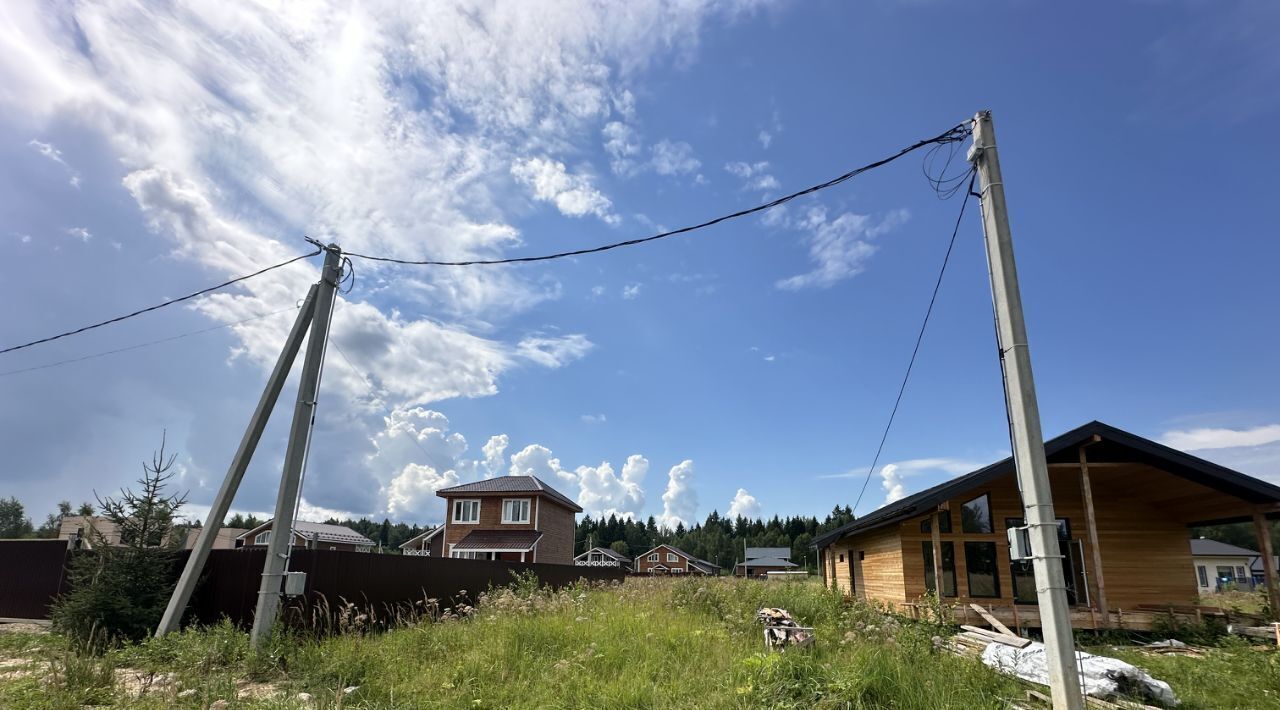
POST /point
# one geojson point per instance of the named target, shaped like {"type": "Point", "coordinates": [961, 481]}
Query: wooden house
{"type": "Point", "coordinates": [1124, 505]}
{"type": "Point", "coordinates": [667, 559]}
{"type": "Point", "coordinates": [513, 518]}
{"type": "Point", "coordinates": [428, 543]}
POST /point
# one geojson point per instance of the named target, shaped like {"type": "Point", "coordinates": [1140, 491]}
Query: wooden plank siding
{"type": "Point", "coordinates": [1142, 530]}
{"type": "Point", "coordinates": [878, 569]}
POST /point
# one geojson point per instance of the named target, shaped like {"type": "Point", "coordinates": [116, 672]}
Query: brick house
{"type": "Point", "coordinates": [666, 559]}
{"type": "Point", "coordinates": [513, 518]}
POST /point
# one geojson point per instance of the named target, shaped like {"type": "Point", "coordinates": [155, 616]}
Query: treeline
{"type": "Point", "coordinates": [15, 524]}
{"type": "Point", "coordinates": [718, 539]}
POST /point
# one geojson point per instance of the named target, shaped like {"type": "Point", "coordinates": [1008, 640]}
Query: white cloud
{"type": "Point", "coordinates": [494, 449]}
{"type": "Point", "coordinates": [911, 467]}
{"type": "Point", "coordinates": [765, 138]}
{"type": "Point", "coordinates": [623, 145]}
{"type": "Point", "coordinates": [840, 247]}
{"type": "Point", "coordinates": [593, 419]}
{"type": "Point", "coordinates": [1200, 439]}
{"type": "Point", "coordinates": [430, 116]}
{"type": "Point", "coordinates": [744, 504]}
{"type": "Point", "coordinates": [80, 233]}
{"type": "Point", "coordinates": [597, 291]}
{"type": "Point", "coordinates": [631, 291]}
{"type": "Point", "coordinates": [770, 358]}
{"type": "Point", "coordinates": [554, 352]}
{"type": "Point", "coordinates": [48, 150]}
{"type": "Point", "coordinates": [679, 501]}
{"type": "Point", "coordinates": [600, 491]}
{"type": "Point", "coordinates": [754, 176]}
{"type": "Point", "coordinates": [573, 195]}
{"type": "Point", "coordinates": [674, 158]}
{"type": "Point", "coordinates": [894, 490]}
{"type": "Point", "coordinates": [414, 489]}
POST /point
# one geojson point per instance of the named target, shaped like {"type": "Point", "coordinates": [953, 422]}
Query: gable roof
{"type": "Point", "coordinates": [607, 552]}
{"type": "Point", "coordinates": [766, 562]}
{"type": "Point", "coordinates": [702, 564]}
{"type": "Point", "coordinates": [320, 532]}
{"type": "Point", "coordinates": [512, 484]}
{"type": "Point", "coordinates": [1116, 445]}
{"type": "Point", "coordinates": [759, 552]}
{"type": "Point", "coordinates": [1200, 547]}
{"type": "Point", "coordinates": [422, 536]}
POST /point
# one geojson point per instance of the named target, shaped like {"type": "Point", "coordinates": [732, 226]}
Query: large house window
{"type": "Point", "coordinates": [469, 555]}
{"type": "Point", "coordinates": [944, 527]}
{"type": "Point", "coordinates": [1203, 575]}
{"type": "Point", "coordinates": [466, 511]}
{"type": "Point", "coordinates": [948, 568]}
{"type": "Point", "coordinates": [515, 510]}
{"type": "Point", "coordinates": [264, 538]}
{"type": "Point", "coordinates": [653, 557]}
{"type": "Point", "coordinates": [975, 516]}
{"type": "Point", "coordinates": [980, 562]}
{"type": "Point", "coordinates": [672, 557]}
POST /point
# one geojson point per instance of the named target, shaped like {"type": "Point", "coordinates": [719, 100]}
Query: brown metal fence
{"type": "Point", "coordinates": [32, 575]}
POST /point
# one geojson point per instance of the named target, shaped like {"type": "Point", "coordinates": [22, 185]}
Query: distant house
{"type": "Point", "coordinates": [1219, 566]}
{"type": "Point", "coordinates": [603, 557]}
{"type": "Point", "coordinates": [514, 518]}
{"type": "Point", "coordinates": [428, 543]}
{"type": "Point", "coordinates": [85, 531]}
{"type": "Point", "coordinates": [762, 560]}
{"type": "Point", "coordinates": [312, 536]}
{"type": "Point", "coordinates": [666, 559]}
{"type": "Point", "coordinates": [1123, 504]}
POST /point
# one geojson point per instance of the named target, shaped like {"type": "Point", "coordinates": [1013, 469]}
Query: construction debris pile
{"type": "Point", "coordinates": [1100, 677]}
{"type": "Point", "coordinates": [780, 630]}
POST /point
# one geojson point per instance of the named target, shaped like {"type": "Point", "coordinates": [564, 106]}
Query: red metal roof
{"type": "Point", "coordinates": [508, 540]}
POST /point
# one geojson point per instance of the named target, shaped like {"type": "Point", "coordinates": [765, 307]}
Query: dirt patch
{"type": "Point", "coordinates": [14, 668]}
{"type": "Point", "coordinates": [23, 627]}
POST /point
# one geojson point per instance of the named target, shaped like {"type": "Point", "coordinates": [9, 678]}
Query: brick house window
{"type": "Point", "coordinates": [466, 511]}
{"type": "Point", "coordinates": [515, 510]}
{"type": "Point", "coordinates": [653, 557]}
{"type": "Point", "coordinates": [262, 538]}
{"type": "Point", "coordinates": [672, 557]}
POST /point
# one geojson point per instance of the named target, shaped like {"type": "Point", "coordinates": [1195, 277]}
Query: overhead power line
{"type": "Point", "coordinates": [158, 306]}
{"type": "Point", "coordinates": [952, 135]}
{"type": "Point", "coordinates": [919, 337]}
{"type": "Point", "coordinates": [146, 344]}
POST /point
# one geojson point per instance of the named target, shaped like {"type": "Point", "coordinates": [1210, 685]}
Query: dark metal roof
{"type": "Point", "coordinates": [758, 552]}
{"type": "Point", "coordinates": [1201, 547]}
{"type": "Point", "coordinates": [704, 566]}
{"type": "Point", "coordinates": [1116, 446]}
{"type": "Point", "coordinates": [517, 540]}
{"type": "Point", "coordinates": [422, 536]}
{"type": "Point", "coordinates": [766, 562]}
{"type": "Point", "coordinates": [512, 484]}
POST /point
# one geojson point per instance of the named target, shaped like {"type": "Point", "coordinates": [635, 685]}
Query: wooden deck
{"type": "Point", "coordinates": [1143, 618]}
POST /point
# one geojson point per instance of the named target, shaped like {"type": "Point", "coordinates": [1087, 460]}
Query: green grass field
{"type": "Point", "coordinates": [690, 643]}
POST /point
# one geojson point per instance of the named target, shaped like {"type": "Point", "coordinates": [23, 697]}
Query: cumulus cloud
{"type": "Point", "coordinates": [494, 449]}
{"type": "Point", "coordinates": [80, 233]}
{"type": "Point", "coordinates": [679, 501]}
{"type": "Point", "coordinates": [839, 247]}
{"type": "Point", "coordinates": [601, 492]}
{"type": "Point", "coordinates": [754, 176]}
{"type": "Point", "coordinates": [416, 444]}
{"type": "Point", "coordinates": [430, 116]}
{"type": "Point", "coordinates": [573, 195]}
{"type": "Point", "coordinates": [1200, 439]}
{"type": "Point", "coordinates": [674, 158]}
{"type": "Point", "coordinates": [631, 291]}
{"type": "Point", "coordinates": [414, 489]}
{"type": "Point", "coordinates": [744, 504]}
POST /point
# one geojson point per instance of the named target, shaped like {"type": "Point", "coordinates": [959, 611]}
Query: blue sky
{"type": "Point", "coordinates": [149, 151]}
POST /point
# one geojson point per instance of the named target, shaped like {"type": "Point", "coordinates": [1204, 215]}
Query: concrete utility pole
{"type": "Point", "coordinates": [1024, 416]}
{"type": "Point", "coordinates": [239, 463]}
{"type": "Point", "coordinates": [296, 453]}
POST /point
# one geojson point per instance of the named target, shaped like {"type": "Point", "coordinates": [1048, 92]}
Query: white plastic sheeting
{"type": "Point", "coordinates": [1102, 677]}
